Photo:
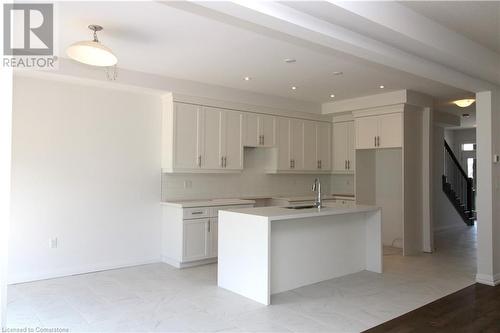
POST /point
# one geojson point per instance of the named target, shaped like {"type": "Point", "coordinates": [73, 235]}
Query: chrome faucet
{"type": "Point", "coordinates": [316, 187]}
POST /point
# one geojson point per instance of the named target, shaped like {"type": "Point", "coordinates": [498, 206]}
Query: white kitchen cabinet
{"type": "Point", "coordinates": [297, 144]}
{"type": "Point", "coordinates": [343, 147]}
{"type": "Point", "coordinates": [283, 159]}
{"type": "Point", "coordinates": [323, 146]}
{"type": "Point", "coordinates": [311, 160]}
{"type": "Point", "coordinates": [201, 139]}
{"type": "Point", "coordinates": [190, 234]}
{"type": "Point", "coordinates": [231, 145]}
{"type": "Point", "coordinates": [184, 146]}
{"type": "Point", "coordinates": [379, 131]}
{"type": "Point", "coordinates": [196, 239]}
{"type": "Point", "coordinates": [213, 232]}
{"type": "Point", "coordinates": [259, 130]}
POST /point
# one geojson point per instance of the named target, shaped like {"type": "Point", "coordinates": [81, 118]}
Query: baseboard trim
{"type": "Point", "coordinates": [79, 270]}
{"type": "Point", "coordinates": [181, 265]}
{"type": "Point", "coordinates": [490, 280]}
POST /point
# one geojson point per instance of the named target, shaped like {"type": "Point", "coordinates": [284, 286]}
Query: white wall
{"type": "Point", "coordinates": [85, 169]}
{"type": "Point", "coordinates": [252, 182]}
{"type": "Point", "coordinates": [443, 213]}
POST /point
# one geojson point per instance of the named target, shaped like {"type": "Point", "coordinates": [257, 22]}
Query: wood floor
{"type": "Point", "coordinates": [473, 309]}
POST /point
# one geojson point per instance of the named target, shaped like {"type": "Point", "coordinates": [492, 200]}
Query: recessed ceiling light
{"type": "Point", "coordinates": [294, 88]}
{"type": "Point", "coordinates": [332, 95]}
{"type": "Point", "coordinates": [338, 73]}
{"type": "Point", "coordinates": [463, 103]}
{"type": "Point", "coordinates": [290, 60]}
{"type": "Point", "coordinates": [247, 78]}
{"type": "Point", "coordinates": [381, 86]}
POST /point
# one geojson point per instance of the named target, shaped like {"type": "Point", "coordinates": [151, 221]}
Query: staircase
{"type": "Point", "coordinates": [457, 186]}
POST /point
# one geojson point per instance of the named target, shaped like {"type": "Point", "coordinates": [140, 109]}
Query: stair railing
{"type": "Point", "coordinates": [460, 183]}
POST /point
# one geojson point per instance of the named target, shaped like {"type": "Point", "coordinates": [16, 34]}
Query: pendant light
{"type": "Point", "coordinates": [463, 103]}
{"type": "Point", "coordinates": [92, 52]}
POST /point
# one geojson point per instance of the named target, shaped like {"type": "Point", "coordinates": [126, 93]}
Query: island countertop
{"type": "Point", "coordinates": [283, 213]}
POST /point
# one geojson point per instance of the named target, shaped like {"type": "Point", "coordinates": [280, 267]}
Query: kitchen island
{"type": "Point", "coordinates": [268, 250]}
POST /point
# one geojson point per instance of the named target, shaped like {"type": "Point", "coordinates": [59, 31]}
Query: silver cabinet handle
{"type": "Point", "coordinates": [375, 141]}
{"type": "Point", "coordinates": [208, 224]}
{"type": "Point", "coordinates": [197, 213]}
{"type": "Point", "coordinates": [199, 161]}
{"type": "Point", "coordinates": [345, 164]}
{"type": "Point", "coordinates": [263, 139]}
{"type": "Point", "coordinates": [348, 165]}
{"type": "Point", "coordinates": [225, 161]}
{"type": "Point", "coordinates": [222, 161]}
{"type": "Point", "coordinates": [378, 141]}
{"type": "Point", "coordinates": [320, 164]}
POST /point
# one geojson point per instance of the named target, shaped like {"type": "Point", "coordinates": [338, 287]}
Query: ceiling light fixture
{"type": "Point", "coordinates": [338, 73]}
{"type": "Point", "coordinates": [290, 60]}
{"type": "Point", "coordinates": [294, 88]}
{"type": "Point", "coordinates": [92, 52]}
{"type": "Point", "coordinates": [463, 103]}
{"type": "Point", "coordinates": [247, 78]}
{"type": "Point", "coordinates": [381, 86]}
{"type": "Point", "coordinates": [332, 95]}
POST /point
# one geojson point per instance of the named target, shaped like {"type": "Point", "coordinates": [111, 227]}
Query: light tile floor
{"type": "Point", "coordinates": [159, 298]}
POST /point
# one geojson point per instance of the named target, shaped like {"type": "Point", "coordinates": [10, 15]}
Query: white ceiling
{"type": "Point", "coordinates": [152, 37]}
{"type": "Point", "coordinates": [477, 20]}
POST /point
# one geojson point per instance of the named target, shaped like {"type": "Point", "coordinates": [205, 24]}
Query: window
{"type": "Point", "coordinates": [470, 167]}
{"type": "Point", "coordinates": [468, 147]}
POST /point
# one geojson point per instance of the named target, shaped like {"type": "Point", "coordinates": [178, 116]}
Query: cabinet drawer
{"type": "Point", "coordinates": [195, 213]}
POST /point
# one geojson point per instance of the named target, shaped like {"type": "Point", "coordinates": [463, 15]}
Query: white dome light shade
{"type": "Point", "coordinates": [92, 53]}
{"type": "Point", "coordinates": [463, 103]}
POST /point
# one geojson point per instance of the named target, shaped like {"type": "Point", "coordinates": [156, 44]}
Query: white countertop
{"type": "Point", "coordinates": [207, 203]}
{"type": "Point", "coordinates": [312, 197]}
{"type": "Point", "coordinates": [281, 213]}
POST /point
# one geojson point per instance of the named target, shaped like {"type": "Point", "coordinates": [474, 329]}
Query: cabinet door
{"type": "Point", "coordinates": [297, 144]}
{"type": "Point", "coordinates": [340, 146]}
{"type": "Point", "coordinates": [267, 130]}
{"type": "Point", "coordinates": [391, 130]}
{"type": "Point", "coordinates": [283, 143]}
{"type": "Point", "coordinates": [196, 243]}
{"type": "Point", "coordinates": [366, 132]}
{"type": "Point", "coordinates": [214, 238]}
{"type": "Point", "coordinates": [323, 145]}
{"type": "Point", "coordinates": [232, 150]}
{"type": "Point", "coordinates": [310, 153]}
{"type": "Point", "coordinates": [251, 126]}
{"type": "Point", "coordinates": [212, 139]}
{"type": "Point", "coordinates": [351, 146]}
{"type": "Point", "coordinates": [186, 145]}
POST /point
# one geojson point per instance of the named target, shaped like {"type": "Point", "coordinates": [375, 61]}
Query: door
{"type": "Point", "coordinates": [283, 143]}
{"type": "Point", "coordinates": [366, 129]}
{"type": "Point", "coordinates": [195, 239]}
{"type": "Point", "coordinates": [186, 136]}
{"type": "Point", "coordinates": [212, 138]}
{"type": "Point", "coordinates": [323, 145]}
{"type": "Point", "coordinates": [351, 146]}
{"type": "Point", "coordinates": [232, 147]}
{"type": "Point", "coordinates": [267, 130]}
{"type": "Point", "coordinates": [311, 157]}
{"type": "Point", "coordinates": [251, 125]}
{"type": "Point", "coordinates": [297, 144]}
{"type": "Point", "coordinates": [390, 130]}
{"type": "Point", "coordinates": [214, 242]}
{"type": "Point", "coordinates": [340, 146]}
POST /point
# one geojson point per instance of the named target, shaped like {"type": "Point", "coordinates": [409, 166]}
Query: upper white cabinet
{"type": "Point", "coordinates": [323, 146]}
{"type": "Point", "coordinates": [260, 130]}
{"type": "Point", "coordinates": [379, 131]}
{"type": "Point", "coordinates": [201, 139]}
{"type": "Point", "coordinates": [343, 147]}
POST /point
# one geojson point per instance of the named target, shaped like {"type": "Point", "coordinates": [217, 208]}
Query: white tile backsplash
{"type": "Point", "coordinates": [253, 181]}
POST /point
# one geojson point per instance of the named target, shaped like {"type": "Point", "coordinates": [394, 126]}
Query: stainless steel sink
{"type": "Point", "coordinates": [301, 207]}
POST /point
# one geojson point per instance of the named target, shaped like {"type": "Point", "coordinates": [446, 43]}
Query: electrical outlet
{"type": "Point", "coordinates": [53, 243]}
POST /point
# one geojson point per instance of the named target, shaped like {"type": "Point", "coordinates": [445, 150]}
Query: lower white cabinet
{"type": "Point", "coordinates": [189, 235]}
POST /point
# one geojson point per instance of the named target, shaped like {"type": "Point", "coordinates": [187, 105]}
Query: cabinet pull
{"type": "Point", "coordinates": [225, 161]}
{"type": "Point", "coordinates": [222, 161]}
{"type": "Point", "coordinates": [293, 163]}
{"type": "Point", "coordinates": [348, 164]}
{"type": "Point", "coordinates": [375, 141]}
{"type": "Point", "coordinates": [320, 164]}
{"type": "Point", "coordinates": [378, 141]}
{"type": "Point", "coordinates": [197, 213]}
{"type": "Point", "coordinates": [208, 226]}
{"type": "Point", "coordinates": [345, 164]}
{"type": "Point", "coordinates": [199, 161]}
{"type": "Point", "coordinates": [263, 139]}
